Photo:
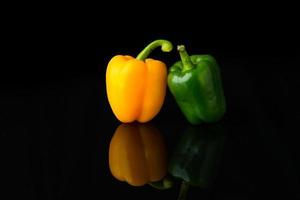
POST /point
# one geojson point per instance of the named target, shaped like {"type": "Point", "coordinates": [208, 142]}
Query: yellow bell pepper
{"type": "Point", "coordinates": [136, 87]}
{"type": "Point", "coordinates": [137, 154]}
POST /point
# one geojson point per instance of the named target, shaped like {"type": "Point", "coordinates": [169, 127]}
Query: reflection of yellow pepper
{"type": "Point", "coordinates": [136, 88]}
{"type": "Point", "coordinates": [137, 154]}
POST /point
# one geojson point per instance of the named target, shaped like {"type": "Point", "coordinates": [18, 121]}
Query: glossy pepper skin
{"type": "Point", "coordinates": [136, 87]}
{"type": "Point", "coordinates": [195, 82]}
{"type": "Point", "coordinates": [137, 154]}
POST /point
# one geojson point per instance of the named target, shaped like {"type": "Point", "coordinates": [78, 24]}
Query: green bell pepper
{"type": "Point", "coordinates": [195, 82]}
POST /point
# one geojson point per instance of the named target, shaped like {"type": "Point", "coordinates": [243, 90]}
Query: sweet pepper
{"type": "Point", "coordinates": [136, 87]}
{"type": "Point", "coordinates": [196, 84]}
{"type": "Point", "coordinates": [137, 154]}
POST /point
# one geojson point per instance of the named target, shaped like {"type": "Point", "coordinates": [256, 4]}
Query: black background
{"type": "Point", "coordinates": [56, 122]}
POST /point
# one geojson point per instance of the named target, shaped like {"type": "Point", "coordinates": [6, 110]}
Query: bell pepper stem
{"type": "Point", "coordinates": [185, 58]}
{"type": "Point", "coordinates": [166, 183]}
{"type": "Point", "coordinates": [166, 46]}
{"type": "Point", "coordinates": [183, 190]}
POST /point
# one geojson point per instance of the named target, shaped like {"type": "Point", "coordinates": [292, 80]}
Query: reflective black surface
{"type": "Point", "coordinates": [56, 123]}
{"type": "Point", "coordinates": [55, 143]}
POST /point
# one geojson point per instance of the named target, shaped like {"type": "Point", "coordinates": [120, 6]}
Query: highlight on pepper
{"type": "Point", "coordinates": [136, 87]}
{"type": "Point", "coordinates": [138, 154]}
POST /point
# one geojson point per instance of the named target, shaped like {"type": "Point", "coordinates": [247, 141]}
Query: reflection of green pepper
{"type": "Point", "coordinates": [195, 82]}
{"type": "Point", "coordinates": [196, 156]}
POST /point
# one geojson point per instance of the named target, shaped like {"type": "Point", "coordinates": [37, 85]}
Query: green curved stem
{"type": "Point", "coordinates": [183, 190]}
{"type": "Point", "coordinates": [166, 46]}
{"type": "Point", "coordinates": [185, 58]}
{"type": "Point", "coordinates": [166, 183]}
